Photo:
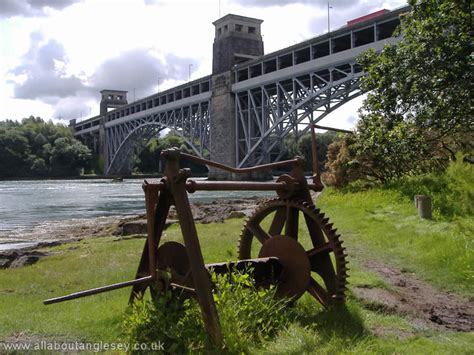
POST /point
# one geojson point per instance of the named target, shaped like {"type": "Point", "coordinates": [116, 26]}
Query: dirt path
{"type": "Point", "coordinates": [417, 299]}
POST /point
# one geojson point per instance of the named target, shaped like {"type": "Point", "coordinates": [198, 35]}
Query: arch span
{"type": "Point", "coordinates": [267, 114]}
{"type": "Point", "coordinates": [190, 123]}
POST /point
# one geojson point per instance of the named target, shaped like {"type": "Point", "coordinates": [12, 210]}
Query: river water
{"type": "Point", "coordinates": [32, 211]}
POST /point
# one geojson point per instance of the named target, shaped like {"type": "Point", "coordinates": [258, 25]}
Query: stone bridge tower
{"type": "Point", "coordinates": [109, 99]}
{"type": "Point", "coordinates": [237, 39]}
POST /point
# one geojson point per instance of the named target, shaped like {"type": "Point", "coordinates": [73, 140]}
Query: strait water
{"type": "Point", "coordinates": [32, 211]}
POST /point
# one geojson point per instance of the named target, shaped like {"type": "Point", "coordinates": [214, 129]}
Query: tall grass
{"type": "Point", "coordinates": [384, 224]}
{"type": "Point", "coordinates": [452, 191]}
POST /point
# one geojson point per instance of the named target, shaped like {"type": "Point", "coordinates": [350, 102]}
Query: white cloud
{"type": "Point", "coordinates": [56, 61]}
{"type": "Point", "coordinates": [11, 8]}
{"type": "Point", "coordinates": [317, 3]}
{"type": "Point", "coordinates": [43, 68]}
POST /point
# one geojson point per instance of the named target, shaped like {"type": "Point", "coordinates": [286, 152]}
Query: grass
{"type": "Point", "coordinates": [385, 223]}
{"type": "Point", "coordinates": [378, 224]}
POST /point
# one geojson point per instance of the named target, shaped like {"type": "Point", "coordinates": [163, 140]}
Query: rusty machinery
{"type": "Point", "coordinates": [270, 242]}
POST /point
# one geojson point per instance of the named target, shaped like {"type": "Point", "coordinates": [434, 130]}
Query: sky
{"type": "Point", "coordinates": [56, 55]}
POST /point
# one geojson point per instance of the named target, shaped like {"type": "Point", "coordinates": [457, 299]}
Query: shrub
{"type": "Point", "coordinates": [248, 316]}
{"type": "Point", "coordinates": [452, 192]}
{"type": "Point", "coordinates": [339, 165]}
{"type": "Point", "coordinates": [460, 176]}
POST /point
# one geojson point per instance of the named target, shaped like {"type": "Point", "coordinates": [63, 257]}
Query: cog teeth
{"type": "Point", "coordinates": [322, 222]}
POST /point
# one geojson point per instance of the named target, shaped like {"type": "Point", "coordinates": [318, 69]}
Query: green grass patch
{"type": "Point", "coordinates": [377, 224]}
{"type": "Point", "coordinates": [385, 224]}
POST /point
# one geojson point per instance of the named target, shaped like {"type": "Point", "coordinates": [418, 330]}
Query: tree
{"type": "Point", "coordinates": [68, 156]}
{"type": "Point", "coordinates": [14, 151]}
{"type": "Point", "coordinates": [38, 148]}
{"type": "Point", "coordinates": [323, 140]}
{"type": "Point", "coordinates": [418, 112]}
{"type": "Point", "coordinates": [148, 158]}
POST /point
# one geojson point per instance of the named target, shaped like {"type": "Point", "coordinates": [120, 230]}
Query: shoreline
{"type": "Point", "coordinates": [26, 252]}
{"type": "Point", "coordinates": [92, 177]}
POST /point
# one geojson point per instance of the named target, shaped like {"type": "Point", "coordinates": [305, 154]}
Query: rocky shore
{"type": "Point", "coordinates": [213, 212]}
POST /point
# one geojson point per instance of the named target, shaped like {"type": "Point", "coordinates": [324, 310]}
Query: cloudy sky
{"type": "Point", "coordinates": [56, 55]}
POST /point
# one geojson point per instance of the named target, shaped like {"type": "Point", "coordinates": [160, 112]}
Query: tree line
{"type": "Point", "coordinates": [35, 148]}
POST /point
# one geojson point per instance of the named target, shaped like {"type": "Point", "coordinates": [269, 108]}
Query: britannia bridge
{"type": "Point", "coordinates": [240, 113]}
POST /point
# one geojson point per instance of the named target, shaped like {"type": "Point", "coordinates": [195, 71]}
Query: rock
{"type": "Point", "coordinates": [52, 243]}
{"type": "Point", "coordinates": [134, 227]}
{"type": "Point", "coordinates": [139, 226]}
{"type": "Point", "coordinates": [19, 258]}
{"type": "Point", "coordinates": [4, 263]}
{"type": "Point", "coordinates": [24, 260]}
{"type": "Point", "coordinates": [236, 214]}
{"type": "Point", "coordinates": [170, 222]}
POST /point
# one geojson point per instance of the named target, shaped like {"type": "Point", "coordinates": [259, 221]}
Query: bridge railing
{"type": "Point", "coordinates": [347, 37]}
{"type": "Point", "coordinates": [183, 92]}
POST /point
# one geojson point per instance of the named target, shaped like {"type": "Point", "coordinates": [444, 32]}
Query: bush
{"type": "Point", "coordinates": [460, 176]}
{"type": "Point", "coordinates": [452, 192]}
{"type": "Point", "coordinates": [248, 316]}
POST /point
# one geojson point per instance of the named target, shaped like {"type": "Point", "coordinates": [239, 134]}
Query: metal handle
{"type": "Point", "coordinates": [239, 170]}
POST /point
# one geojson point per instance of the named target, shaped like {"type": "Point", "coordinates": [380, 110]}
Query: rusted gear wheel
{"type": "Point", "coordinates": [322, 245]}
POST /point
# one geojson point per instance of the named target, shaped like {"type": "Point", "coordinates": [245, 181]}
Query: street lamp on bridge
{"type": "Point", "coordinates": [329, 23]}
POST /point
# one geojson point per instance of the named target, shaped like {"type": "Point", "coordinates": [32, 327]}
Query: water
{"type": "Point", "coordinates": [31, 211]}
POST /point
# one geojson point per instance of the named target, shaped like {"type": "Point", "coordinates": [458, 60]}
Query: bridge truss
{"type": "Point", "coordinates": [266, 114]}
{"type": "Point", "coordinates": [191, 122]}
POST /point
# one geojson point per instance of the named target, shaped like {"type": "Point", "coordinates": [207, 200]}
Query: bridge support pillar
{"type": "Point", "coordinates": [103, 161]}
{"type": "Point", "coordinates": [237, 40]}
{"type": "Point", "coordinates": [222, 142]}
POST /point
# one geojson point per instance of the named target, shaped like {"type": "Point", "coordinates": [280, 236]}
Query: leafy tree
{"type": "Point", "coordinates": [418, 112]}
{"type": "Point", "coordinates": [303, 148]}
{"type": "Point", "coordinates": [148, 158]}
{"type": "Point", "coordinates": [38, 148]}
{"type": "Point", "coordinates": [13, 153]}
{"type": "Point", "coordinates": [68, 156]}
{"type": "Point", "coordinates": [39, 167]}
{"type": "Point", "coordinates": [323, 140]}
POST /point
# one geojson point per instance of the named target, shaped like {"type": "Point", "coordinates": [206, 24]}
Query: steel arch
{"type": "Point", "coordinates": [266, 114]}
{"type": "Point", "coordinates": [190, 122]}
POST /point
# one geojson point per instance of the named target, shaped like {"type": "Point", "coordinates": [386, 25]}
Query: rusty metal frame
{"type": "Point", "coordinates": [173, 189]}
